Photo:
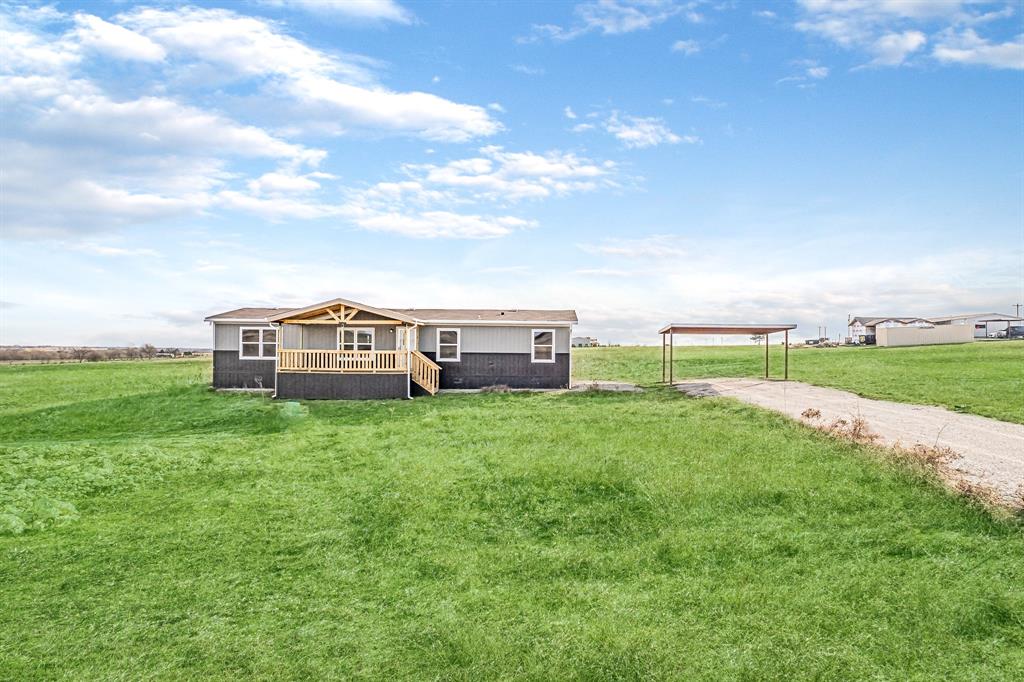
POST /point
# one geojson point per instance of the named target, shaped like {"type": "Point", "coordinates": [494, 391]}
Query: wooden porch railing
{"type": "Point", "coordinates": [343, 361]}
{"type": "Point", "coordinates": [425, 372]}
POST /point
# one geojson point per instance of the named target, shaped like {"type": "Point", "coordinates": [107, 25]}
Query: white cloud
{"type": "Point", "coordinates": [337, 88]}
{"type": "Point", "coordinates": [569, 113]}
{"type": "Point", "coordinates": [687, 47]}
{"type": "Point", "coordinates": [155, 124]}
{"type": "Point", "coordinates": [582, 127]}
{"type": "Point", "coordinates": [892, 49]}
{"type": "Point", "coordinates": [765, 14]}
{"type": "Point", "coordinates": [113, 251]}
{"type": "Point", "coordinates": [287, 182]}
{"type": "Point", "coordinates": [811, 70]}
{"type": "Point", "coordinates": [654, 246]}
{"type": "Point", "coordinates": [637, 132]}
{"type": "Point", "coordinates": [23, 51]}
{"type": "Point", "coordinates": [360, 10]}
{"type": "Point", "coordinates": [616, 17]}
{"type": "Point", "coordinates": [966, 47]}
{"type": "Point", "coordinates": [278, 206]}
{"type": "Point", "coordinates": [421, 205]}
{"type": "Point", "coordinates": [434, 224]}
{"type": "Point", "coordinates": [499, 175]}
{"type": "Point", "coordinates": [495, 106]}
{"type": "Point", "coordinates": [602, 272]}
{"type": "Point", "coordinates": [892, 30]}
{"type": "Point", "coordinates": [709, 102]}
{"type": "Point", "coordinates": [527, 70]}
{"type": "Point", "coordinates": [117, 41]}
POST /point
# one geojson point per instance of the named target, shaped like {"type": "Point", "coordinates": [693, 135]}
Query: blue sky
{"type": "Point", "coordinates": [638, 161]}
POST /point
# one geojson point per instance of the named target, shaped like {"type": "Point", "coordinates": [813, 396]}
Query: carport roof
{"type": "Point", "coordinates": [708, 328]}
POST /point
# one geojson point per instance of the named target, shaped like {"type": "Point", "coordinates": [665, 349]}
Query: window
{"type": "Point", "coordinates": [543, 345]}
{"type": "Point", "coordinates": [449, 346]}
{"type": "Point", "coordinates": [352, 338]}
{"type": "Point", "coordinates": [257, 343]}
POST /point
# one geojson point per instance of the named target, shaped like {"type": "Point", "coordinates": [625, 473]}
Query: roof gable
{"type": "Point", "coordinates": [327, 307]}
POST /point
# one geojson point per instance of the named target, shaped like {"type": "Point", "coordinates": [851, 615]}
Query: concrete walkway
{"type": "Point", "coordinates": [985, 452]}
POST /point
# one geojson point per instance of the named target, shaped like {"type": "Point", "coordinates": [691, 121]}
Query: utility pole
{"type": "Point", "coordinates": [1016, 308]}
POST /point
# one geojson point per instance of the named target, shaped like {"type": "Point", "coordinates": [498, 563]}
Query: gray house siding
{"type": "Point", "coordinates": [481, 339]}
{"type": "Point", "coordinates": [231, 371]}
{"type": "Point", "coordinates": [325, 336]}
{"type": "Point", "coordinates": [291, 335]}
{"type": "Point", "coordinates": [226, 336]}
{"type": "Point", "coordinates": [495, 355]}
{"type": "Point", "coordinates": [313, 386]}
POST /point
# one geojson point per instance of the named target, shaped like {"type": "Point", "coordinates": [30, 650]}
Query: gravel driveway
{"type": "Point", "coordinates": [988, 452]}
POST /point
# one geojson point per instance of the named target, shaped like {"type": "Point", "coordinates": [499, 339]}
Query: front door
{"type": "Point", "coordinates": [405, 338]}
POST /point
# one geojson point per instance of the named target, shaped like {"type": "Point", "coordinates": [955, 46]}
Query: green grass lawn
{"type": "Point", "coordinates": [153, 529]}
{"type": "Point", "coordinates": [985, 378]}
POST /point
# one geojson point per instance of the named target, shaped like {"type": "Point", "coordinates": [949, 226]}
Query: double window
{"type": "Point", "coordinates": [355, 338]}
{"type": "Point", "coordinates": [543, 349]}
{"type": "Point", "coordinates": [449, 345]}
{"type": "Point", "coordinates": [257, 343]}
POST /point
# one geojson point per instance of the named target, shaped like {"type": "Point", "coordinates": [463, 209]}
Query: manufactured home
{"type": "Point", "coordinates": [342, 349]}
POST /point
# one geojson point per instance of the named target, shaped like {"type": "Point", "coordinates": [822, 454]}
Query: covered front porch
{"type": "Point", "coordinates": [342, 338]}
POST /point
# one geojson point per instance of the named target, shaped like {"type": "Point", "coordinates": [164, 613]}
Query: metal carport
{"type": "Point", "coordinates": [669, 331]}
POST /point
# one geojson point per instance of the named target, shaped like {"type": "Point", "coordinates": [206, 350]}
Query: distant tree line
{"type": "Point", "coordinates": [82, 354]}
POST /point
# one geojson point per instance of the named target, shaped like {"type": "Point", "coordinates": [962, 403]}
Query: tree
{"type": "Point", "coordinates": [757, 338]}
{"type": "Point", "coordinates": [148, 351]}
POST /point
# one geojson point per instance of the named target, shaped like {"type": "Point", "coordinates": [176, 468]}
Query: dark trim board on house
{"type": "Point", "coordinates": [341, 349]}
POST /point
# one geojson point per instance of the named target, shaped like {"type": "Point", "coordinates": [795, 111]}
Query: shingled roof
{"type": "Point", "coordinates": [488, 315]}
{"type": "Point", "coordinates": [426, 315]}
{"type": "Point", "coordinates": [247, 314]}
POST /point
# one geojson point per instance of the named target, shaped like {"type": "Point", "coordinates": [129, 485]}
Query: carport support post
{"type": "Point", "coordinates": [671, 344]}
{"type": "Point", "coordinates": [662, 358]}
{"type": "Point", "coordinates": [786, 355]}
{"type": "Point", "coordinates": [766, 337]}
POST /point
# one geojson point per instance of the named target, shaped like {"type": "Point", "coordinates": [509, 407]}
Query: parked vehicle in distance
{"type": "Point", "coordinates": [1015, 332]}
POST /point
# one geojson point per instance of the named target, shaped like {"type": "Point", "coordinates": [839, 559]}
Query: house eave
{"type": "Point", "coordinates": [499, 323]}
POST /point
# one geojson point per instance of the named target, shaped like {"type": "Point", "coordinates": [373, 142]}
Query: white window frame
{"type": "Point", "coordinates": [261, 356]}
{"type": "Point", "coordinates": [356, 330]}
{"type": "Point", "coordinates": [458, 344]}
{"type": "Point", "coordinates": [533, 345]}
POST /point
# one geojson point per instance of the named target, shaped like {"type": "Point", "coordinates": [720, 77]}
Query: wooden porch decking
{"type": "Point", "coordinates": [422, 369]}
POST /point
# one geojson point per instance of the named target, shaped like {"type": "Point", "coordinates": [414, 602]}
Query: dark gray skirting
{"type": "Point", "coordinates": [314, 386]}
{"type": "Point", "coordinates": [515, 370]}
{"type": "Point", "coordinates": [230, 371]}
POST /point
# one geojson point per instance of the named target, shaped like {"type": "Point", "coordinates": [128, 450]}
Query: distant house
{"type": "Point", "coordinates": [862, 329]}
{"type": "Point", "coordinates": [341, 349]}
{"type": "Point", "coordinates": [584, 342]}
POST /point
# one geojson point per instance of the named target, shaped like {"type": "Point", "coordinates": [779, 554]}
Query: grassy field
{"type": "Point", "coordinates": [153, 529]}
{"type": "Point", "coordinates": [985, 378]}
